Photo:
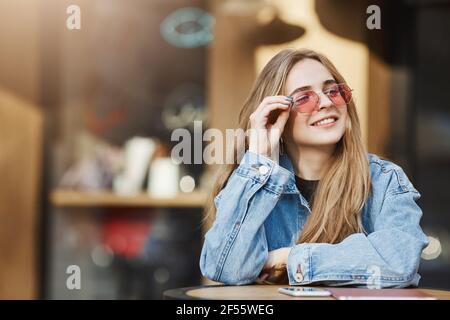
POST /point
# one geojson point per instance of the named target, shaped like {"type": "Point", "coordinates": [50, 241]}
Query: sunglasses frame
{"type": "Point", "coordinates": [319, 98]}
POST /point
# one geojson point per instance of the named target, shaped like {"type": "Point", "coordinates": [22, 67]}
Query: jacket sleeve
{"type": "Point", "coordinates": [235, 248]}
{"type": "Point", "coordinates": [387, 257]}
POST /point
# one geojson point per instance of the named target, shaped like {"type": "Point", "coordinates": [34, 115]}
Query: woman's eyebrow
{"type": "Point", "coordinates": [330, 81]}
{"type": "Point", "coordinates": [304, 88]}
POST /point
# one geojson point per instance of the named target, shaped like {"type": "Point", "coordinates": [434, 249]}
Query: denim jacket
{"type": "Point", "coordinates": [260, 209]}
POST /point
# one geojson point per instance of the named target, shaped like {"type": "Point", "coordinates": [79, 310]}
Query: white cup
{"type": "Point", "coordinates": [163, 178]}
{"type": "Point", "coordinates": [138, 151]}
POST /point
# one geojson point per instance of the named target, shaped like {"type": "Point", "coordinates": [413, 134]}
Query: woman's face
{"type": "Point", "coordinates": [302, 128]}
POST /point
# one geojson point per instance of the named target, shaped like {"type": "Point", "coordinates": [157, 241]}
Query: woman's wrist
{"type": "Point", "coordinates": [272, 157]}
{"type": "Point", "coordinates": [286, 252]}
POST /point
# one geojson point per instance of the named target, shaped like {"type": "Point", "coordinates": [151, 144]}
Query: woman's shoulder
{"type": "Point", "coordinates": [382, 164]}
{"type": "Point", "coordinates": [389, 175]}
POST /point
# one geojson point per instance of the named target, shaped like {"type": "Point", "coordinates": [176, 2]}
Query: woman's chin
{"type": "Point", "coordinates": [323, 140]}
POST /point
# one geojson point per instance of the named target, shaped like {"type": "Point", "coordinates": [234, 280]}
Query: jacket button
{"type": "Point", "coordinates": [263, 169]}
{"type": "Point", "coordinates": [299, 277]}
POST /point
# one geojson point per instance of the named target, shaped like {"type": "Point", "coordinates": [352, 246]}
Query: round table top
{"type": "Point", "coordinates": [257, 292]}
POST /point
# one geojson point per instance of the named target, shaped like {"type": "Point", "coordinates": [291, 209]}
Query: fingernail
{"type": "Point", "coordinates": [289, 98]}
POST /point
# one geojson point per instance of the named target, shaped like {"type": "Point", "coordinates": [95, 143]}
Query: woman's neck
{"type": "Point", "coordinates": [309, 161]}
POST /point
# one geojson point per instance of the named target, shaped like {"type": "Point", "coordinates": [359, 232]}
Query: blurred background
{"type": "Point", "coordinates": [87, 111]}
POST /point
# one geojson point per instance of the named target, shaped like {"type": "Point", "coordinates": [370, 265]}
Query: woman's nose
{"type": "Point", "coordinates": [324, 101]}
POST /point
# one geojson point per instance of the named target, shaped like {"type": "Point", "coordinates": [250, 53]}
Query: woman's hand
{"type": "Point", "coordinates": [275, 263]}
{"type": "Point", "coordinates": [264, 135]}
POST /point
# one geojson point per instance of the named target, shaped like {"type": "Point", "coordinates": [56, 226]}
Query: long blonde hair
{"type": "Point", "coordinates": [343, 189]}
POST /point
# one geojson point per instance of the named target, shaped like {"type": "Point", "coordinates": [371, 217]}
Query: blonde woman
{"type": "Point", "coordinates": [324, 211]}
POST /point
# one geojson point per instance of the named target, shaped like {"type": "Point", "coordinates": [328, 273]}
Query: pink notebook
{"type": "Point", "coordinates": [379, 294]}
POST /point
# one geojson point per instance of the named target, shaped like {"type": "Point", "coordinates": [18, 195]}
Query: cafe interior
{"type": "Point", "coordinates": [91, 92]}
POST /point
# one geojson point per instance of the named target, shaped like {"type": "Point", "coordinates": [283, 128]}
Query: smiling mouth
{"type": "Point", "coordinates": [325, 121]}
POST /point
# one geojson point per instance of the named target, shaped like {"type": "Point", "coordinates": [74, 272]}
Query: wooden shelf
{"type": "Point", "coordinates": [73, 198]}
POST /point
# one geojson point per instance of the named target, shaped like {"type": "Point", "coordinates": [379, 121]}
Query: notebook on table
{"type": "Point", "coordinates": [379, 294]}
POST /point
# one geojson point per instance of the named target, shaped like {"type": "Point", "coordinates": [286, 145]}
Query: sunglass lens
{"type": "Point", "coordinates": [346, 92]}
{"type": "Point", "coordinates": [306, 101]}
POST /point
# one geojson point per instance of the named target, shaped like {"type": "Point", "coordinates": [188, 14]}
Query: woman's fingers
{"type": "Point", "coordinates": [264, 276]}
{"type": "Point", "coordinates": [273, 106]}
{"type": "Point", "coordinates": [281, 120]}
{"type": "Point", "coordinates": [271, 100]}
{"type": "Point", "coordinates": [260, 119]}
{"type": "Point", "coordinates": [274, 99]}
{"type": "Point", "coordinates": [268, 120]}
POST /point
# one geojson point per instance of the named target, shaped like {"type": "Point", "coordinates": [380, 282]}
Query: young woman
{"type": "Point", "coordinates": [325, 211]}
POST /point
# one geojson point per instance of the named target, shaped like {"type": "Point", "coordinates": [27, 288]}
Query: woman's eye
{"type": "Point", "coordinates": [332, 92]}
{"type": "Point", "coordinates": [302, 99]}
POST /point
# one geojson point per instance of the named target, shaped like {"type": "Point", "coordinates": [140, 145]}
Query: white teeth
{"type": "Point", "coordinates": [324, 121]}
